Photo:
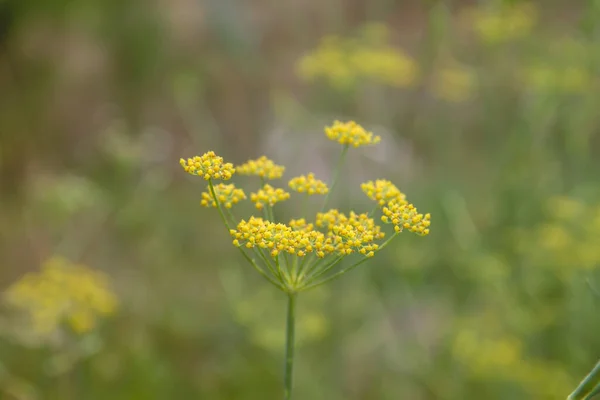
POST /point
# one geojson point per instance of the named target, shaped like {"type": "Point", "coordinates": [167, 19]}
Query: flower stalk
{"type": "Point", "coordinates": [301, 255]}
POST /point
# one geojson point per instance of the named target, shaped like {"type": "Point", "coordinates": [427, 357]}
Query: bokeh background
{"type": "Point", "coordinates": [489, 114]}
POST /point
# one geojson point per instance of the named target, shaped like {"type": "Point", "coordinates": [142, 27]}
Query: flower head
{"type": "Point", "coordinates": [263, 167]}
{"type": "Point", "coordinates": [268, 195]}
{"type": "Point", "coordinates": [308, 184]}
{"type": "Point", "coordinates": [383, 192]}
{"type": "Point", "coordinates": [350, 133]}
{"type": "Point", "coordinates": [62, 292]}
{"type": "Point", "coordinates": [356, 232]}
{"type": "Point", "coordinates": [406, 216]}
{"type": "Point", "coordinates": [278, 238]}
{"type": "Point", "coordinates": [228, 195]}
{"type": "Point", "coordinates": [208, 166]}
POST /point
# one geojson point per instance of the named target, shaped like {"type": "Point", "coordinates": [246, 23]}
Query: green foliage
{"type": "Point", "coordinates": [496, 135]}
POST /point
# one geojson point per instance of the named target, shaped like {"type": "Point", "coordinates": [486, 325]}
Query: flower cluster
{"type": "Point", "coordinates": [506, 24]}
{"type": "Point", "coordinates": [344, 62]}
{"type": "Point", "coordinates": [383, 192]}
{"type": "Point", "coordinates": [328, 238]}
{"type": "Point", "coordinates": [262, 167]}
{"type": "Point", "coordinates": [228, 195]}
{"type": "Point", "coordinates": [308, 184]}
{"type": "Point", "coordinates": [350, 133]}
{"type": "Point", "coordinates": [277, 238]}
{"type": "Point", "coordinates": [62, 292]}
{"type": "Point", "coordinates": [268, 195]}
{"type": "Point", "coordinates": [454, 83]}
{"type": "Point", "coordinates": [406, 216]}
{"type": "Point", "coordinates": [356, 232]}
{"type": "Point", "coordinates": [208, 166]}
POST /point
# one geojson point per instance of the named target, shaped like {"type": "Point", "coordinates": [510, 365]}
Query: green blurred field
{"type": "Point", "coordinates": [489, 114]}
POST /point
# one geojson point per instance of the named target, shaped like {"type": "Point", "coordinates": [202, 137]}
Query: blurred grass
{"type": "Point", "coordinates": [497, 135]}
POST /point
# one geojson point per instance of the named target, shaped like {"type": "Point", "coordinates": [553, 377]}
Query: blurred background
{"type": "Point", "coordinates": [489, 117]}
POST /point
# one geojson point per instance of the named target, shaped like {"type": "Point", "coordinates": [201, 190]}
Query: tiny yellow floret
{"type": "Point", "coordinates": [208, 166]}
{"type": "Point", "coordinates": [406, 216]}
{"type": "Point", "coordinates": [268, 195]}
{"type": "Point", "coordinates": [308, 184]}
{"type": "Point", "coordinates": [383, 192]}
{"type": "Point", "coordinates": [351, 134]}
{"type": "Point", "coordinates": [228, 195]}
{"type": "Point", "coordinates": [262, 167]}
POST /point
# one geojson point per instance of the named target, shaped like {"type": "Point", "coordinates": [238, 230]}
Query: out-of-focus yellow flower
{"type": "Point", "coordinates": [344, 62]}
{"type": "Point", "coordinates": [350, 133]}
{"type": "Point", "coordinates": [389, 65]}
{"type": "Point", "coordinates": [502, 358]}
{"type": "Point", "coordinates": [228, 195]}
{"type": "Point", "coordinates": [503, 24]}
{"type": "Point", "coordinates": [262, 167]}
{"type": "Point", "coordinates": [563, 242]}
{"type": "Point", "coordinates": [383, 192]}
{"type": "Point", "coordinates": [268, 195]}
{"type": "Point", "coordinates": [208, 166]}
{"type": "Point", "coordinates": [454, 84]}
{"type": "Point", "coordinates": [570, 79]}
{"type": "Point", "coordinates": [308, 184]}
{"type": "Point", "coordinates": [62, 292]}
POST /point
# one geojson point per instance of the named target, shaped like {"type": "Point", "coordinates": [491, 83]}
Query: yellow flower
{"type": "Point", "coordinates": [268, 195]}
{"type": "Point", "coordinates": [262, 167]}
{"type": "Point", "coordinates": [406, 216]}
{"type": "Point", "coordinates": [356, 232]}
{"type": "Point", "coordinates": [387, 65]}
{"type": "Point", "coordinates": [505, 24]}
{"type": "Point", "coordinates": [277, 238]}
{"type": "Point", "coordinates": [350, 133]}
{"type": "Point", "coordinates": [62, 292]}
{"type": "Point", "coordinates": [208, 166]}
{"type": "Point", "coordinates": [454, 84]}
{"type": "Point", "coordinates": [308, 184]}
{"type": "Point", "coordinates": [228, 195]}
{"type": "Point", "coordinates": [383, 192]}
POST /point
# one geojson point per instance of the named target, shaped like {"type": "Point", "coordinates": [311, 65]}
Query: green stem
{"type": "Point", "coordinates": [587, 384]}
{"type": "Point", "coordinates": [593, 393]}
{"type": "Point", "coordinates": [323, 271]}
{"type": "Point", "coordinates": [336, 174]}
{"type": "Point", "coordinates": [289, 345]}
{"type": "Point", "coordinates": [343, 271]}
{"type": "Point", "coordinates": [251, 261]}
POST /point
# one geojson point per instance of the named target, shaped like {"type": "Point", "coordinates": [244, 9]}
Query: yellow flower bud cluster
{"type": "Point", "coordinates": [350, 133]}
{"type": "Point", "coordinates": [383, 192]}
{"type": "Point", "coordinates": [208, 166]}
{"type": "Point", "coordinates": [262, 167]}
{"type": "Point", "coordinates": [308, 184]}
{"type": "Point", "coordinates": [277, 238]}
{"type": "Point", "coordinates": [228, 195]}
{"type": "Point", "coordinates": [356, 232]}
{"type": "Point", "coordinates": [301, 225]}
{"type": "Point", "coordinates": [406, 216]}
{"type": "Point", "coordinates": [62, 292]}
{"type": "Point", "coordinates": [268, 195]}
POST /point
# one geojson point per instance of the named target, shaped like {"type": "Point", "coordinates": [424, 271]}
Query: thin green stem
{"type": "Point", "coordinates": [312, 267]}
{"type": "Point", "coordinates": [343, 271]}
{"type": "Point", "coordinates": [289, 346]}
{"type": "Point", "coordinates": [301, 268]}
{"type": "Point", "coordinates": [250, 260]}
{"type": "Point", "coordinates": [267, 262]}
{"type": "Point", "coordinates": [336, 175]}
{"type": "Point", "coordinates": [593, 393]}
{"type": "Point", "coordinates": [323, 271]}
{"type": "Point", "coordinates": [587, 385]}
